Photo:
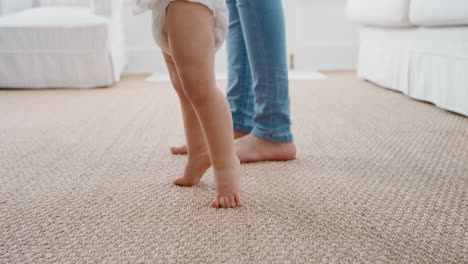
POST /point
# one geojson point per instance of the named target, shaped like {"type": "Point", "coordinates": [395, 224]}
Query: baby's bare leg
{"type": "Point", "coordinates": [198, 157]}
{"type": "Point", "coordinates": [190, 28]}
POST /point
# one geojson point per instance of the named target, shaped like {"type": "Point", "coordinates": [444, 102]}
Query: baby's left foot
{"type": "Point", "coordinates": [228, 186]}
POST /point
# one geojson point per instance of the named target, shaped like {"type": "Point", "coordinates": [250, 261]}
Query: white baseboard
{"type": "Point", "coordinates": [293, 75]}
{"type": "Point", "coordinates": [328, 56]}
{"type": "Point", "coordinates": [164, 77]}
{"type": "Point", "coordinates": [148, 60]}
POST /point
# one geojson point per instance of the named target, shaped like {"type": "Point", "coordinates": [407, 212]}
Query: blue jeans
{"type": "Point", "coordinates": [258, 89]}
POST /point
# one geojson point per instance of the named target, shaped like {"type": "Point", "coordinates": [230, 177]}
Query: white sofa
{"type": "Point", "coordinates": [418, 47]}
{"type": "Point", "coordinates": [61, 43]}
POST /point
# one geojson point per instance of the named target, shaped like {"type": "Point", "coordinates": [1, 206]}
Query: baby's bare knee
{"type": "Point", "coordinates": [198, 85]}
{"type": "Point", "coordinates": [199, 95]}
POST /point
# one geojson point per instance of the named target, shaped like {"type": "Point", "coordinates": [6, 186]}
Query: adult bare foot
{"type": "Point", "coordinates": [252, 148]}
{"type": "Point", "coordinates": [183, 149]}
{"type": "Point", "coordinates": [195, 168]}
{"type": "Point", "coordinates": [228, 186]}
{"type": "Point", "coordinates": [179, 150]}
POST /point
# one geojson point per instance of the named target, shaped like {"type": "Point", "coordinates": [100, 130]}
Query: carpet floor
{"type": "Point", "coordinates": [85, 176]}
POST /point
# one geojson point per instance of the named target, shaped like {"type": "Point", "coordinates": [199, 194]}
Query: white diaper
{"type": "Point", "coordinates": [218, 7]}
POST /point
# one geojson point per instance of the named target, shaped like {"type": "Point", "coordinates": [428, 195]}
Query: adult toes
{"type": "Point", "coordinates": [179, 150]}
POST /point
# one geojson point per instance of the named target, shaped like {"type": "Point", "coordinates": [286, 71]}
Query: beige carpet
{"type": "Point", "coordinates": [85, 176]}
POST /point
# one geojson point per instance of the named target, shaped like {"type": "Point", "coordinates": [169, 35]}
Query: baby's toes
{"type": "Point", "coordinates": [222, 202]}
{"type": "Point", "coordinates": [232, 201]}
{"type": "Point", "coordinates": [237, 198]}
{"type": "Point", "coordinates": [183, 182]}
{"type": "Point", "coordinates": [215, 202]}
{"type": "Point", "coordinates": [227, 200]}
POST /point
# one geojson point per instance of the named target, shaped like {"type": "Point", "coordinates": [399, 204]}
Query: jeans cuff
{"type": "Point", "coordinates": [284, 137]}
{"type": "Point", "coordinates": [242, 128]}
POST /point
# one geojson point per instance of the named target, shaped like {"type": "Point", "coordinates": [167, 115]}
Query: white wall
{"type": "Point", "coordinates": [319, 35]}
{"type": "Point", "coordinates": [143, 54]}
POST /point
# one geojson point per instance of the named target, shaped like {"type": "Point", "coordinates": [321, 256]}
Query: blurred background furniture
{"type": "Point", "coordinates": [61, 43]}
{"type": "Point", "coordinates": [418, 47]}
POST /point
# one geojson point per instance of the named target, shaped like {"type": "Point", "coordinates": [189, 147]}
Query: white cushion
{"type": "Point", "coordinates": [53, 28]}
{"type": "Point", "coordinates": [64, 2]}
{"type": "Point", "coordinates": [13, 6]}
{"type": "Point", "coordinates": [56, 47]}
{"type": "Point", "coordinates": [55, 17]}
{"type": "Point", "coordinates": [392, 13]}
{"type": "Point", "coordinates": [439, 12]}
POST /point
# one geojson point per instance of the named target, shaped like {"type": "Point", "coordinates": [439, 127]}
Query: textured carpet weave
{"type": "Point", "coordinates": [85, 176]}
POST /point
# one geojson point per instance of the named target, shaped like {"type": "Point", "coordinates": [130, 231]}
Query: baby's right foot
{"type": "Point", "coordinates": [195, 168]}
{"type": "Point", "coordinates": [228, 186]}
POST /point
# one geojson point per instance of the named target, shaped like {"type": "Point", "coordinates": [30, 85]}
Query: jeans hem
{"type": "Point", "coordinates": [270, 137]}
{"type": "Point", "coordinates": [242, 128]}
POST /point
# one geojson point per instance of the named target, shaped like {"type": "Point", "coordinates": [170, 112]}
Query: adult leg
{"type": "Point", "coordinates": [263, 29]}
{"type": "Point", "coordinates": [239, 89]}
{"type": "Point", "coordinates": [190, 27]}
